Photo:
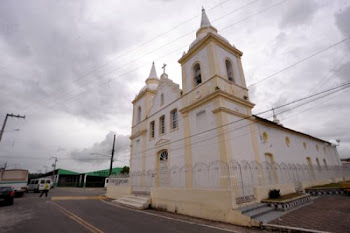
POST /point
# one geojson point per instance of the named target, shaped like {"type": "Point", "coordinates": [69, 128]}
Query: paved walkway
{"type": "Point", "coordinates": [326, 213]}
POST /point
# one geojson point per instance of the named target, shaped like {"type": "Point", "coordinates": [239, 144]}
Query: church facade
{"type": "Point", "coordinates": [209, 125]}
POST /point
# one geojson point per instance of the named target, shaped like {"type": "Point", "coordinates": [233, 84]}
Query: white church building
{"type": "Point", "coordinates": [202, 142]}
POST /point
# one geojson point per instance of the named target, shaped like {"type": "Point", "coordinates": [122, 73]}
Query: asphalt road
{"type": "Point", "coordinates": [81, 210]}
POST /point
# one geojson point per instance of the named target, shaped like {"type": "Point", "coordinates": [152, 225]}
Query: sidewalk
{"type": "Point", "coordinates": [326, 213]}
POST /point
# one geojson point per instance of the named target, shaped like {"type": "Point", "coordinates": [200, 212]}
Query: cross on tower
{"type": "Point", "coordinates": [163, 67]}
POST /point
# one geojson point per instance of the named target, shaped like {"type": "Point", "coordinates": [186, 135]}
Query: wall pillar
{"type": "Point", "coordinates": [188, 151]}
{"type": "Point", "coordinates": [224, 142]}
{"type": "Point", "coordinates": [144, 140]}
{"type": "Point", "coordinates": [254, 135]}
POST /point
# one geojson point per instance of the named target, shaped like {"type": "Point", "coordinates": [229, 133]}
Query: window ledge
{"type": "Point", "coordinates": [175, 129]}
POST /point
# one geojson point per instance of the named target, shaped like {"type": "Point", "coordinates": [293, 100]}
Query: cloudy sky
{"type": "Point", "coordinates": [73, 68]}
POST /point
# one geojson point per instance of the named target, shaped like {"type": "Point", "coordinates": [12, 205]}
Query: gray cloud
{"type": "Point", "coordinates": [298, 12]}
{"type": "Point", "coordinates": [343, 21]}
{"type": "Point", "coordinates": [51, 51]}
{"type": "Point", "coordinates": [47, 48]}
{"type": "Point", "coordinates": [89, 155]}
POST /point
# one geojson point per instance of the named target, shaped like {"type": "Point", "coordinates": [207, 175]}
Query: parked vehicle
{"type": "Point", "coordinates": [7, 194]}
{"type": "Point", "coordinates": [42, 183]}
{"type": "Point", "coordinates": [33, 185]}
{"type": "Point", "coordinates": [36, 185]}
{"type": "Point", "coordinates": [15, 178]}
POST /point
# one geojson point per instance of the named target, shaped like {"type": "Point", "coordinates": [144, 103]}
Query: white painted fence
{"type": "Point", "coordinates": [241, 177]}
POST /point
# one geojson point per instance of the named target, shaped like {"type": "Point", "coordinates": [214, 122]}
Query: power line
{"type": "Point", "coordinates": [301, 61]}
{"type": "Point", "coordinates": [341, 87]}
{"type": "Point", "coordinates": [316, 105]}
{"type": "Point", "coordinates": [262, 80]}
{"type": "Point", "coordinates": [141, 45]}
{"type": "Point", "coordinates": [197, 143]}
{"type": "Point", "coordinates": [257, 13]}
{"type": "Point", "coordinates": [313, 95]}
{"type": "Point", "coordinates": [334, 72]}
{"type": "Point", "coordinates": [335, 90]}
{"type": "Point", "coordinates": [170, 43]}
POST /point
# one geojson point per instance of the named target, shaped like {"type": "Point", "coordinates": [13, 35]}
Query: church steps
{"type": "Point", "coordinates": [135, 202]}
{"type": "Point", "coordinates": [259, 212]}
{"type": "Point", "coordinates": [252, 207]}
{"type": "Point", "coordinates": [256, 210]}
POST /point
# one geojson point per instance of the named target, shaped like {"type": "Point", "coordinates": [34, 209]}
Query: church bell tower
{"type": "Point", "coordinates": [212, 64]}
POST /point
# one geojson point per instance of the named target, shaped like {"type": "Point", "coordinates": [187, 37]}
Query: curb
{"type": "Point", "coordinates": [280, 228]}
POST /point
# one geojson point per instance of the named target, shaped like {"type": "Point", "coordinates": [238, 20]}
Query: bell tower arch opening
{"type": "Point", "coordinates": [229, 70]}
{"type": "Point", "coordinates": [197, 76]}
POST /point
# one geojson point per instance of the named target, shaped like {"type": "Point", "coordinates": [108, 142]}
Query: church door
{"type": "Point", "coordinates": [163, 168]}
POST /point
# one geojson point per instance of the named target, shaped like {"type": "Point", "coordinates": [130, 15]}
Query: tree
{"type": "Point", "coordinates": [125, 170]}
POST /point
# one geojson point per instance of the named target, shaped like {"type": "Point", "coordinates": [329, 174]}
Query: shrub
{"type": "Point", "coordinates": [274, 193]}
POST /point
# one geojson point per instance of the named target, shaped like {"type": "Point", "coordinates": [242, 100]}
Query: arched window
{"type": "Point", "coordinates": [197, 74]}
{"type": "Point", "coordinates": [163, 155]}
{"type": "Point", "coordinates": [325, 162]}
{"type": "Point", "coordinates": [304, 145]}
{"type": "Point", "coordinates": [318, 162]}
{"type": "Point", "coordinates": [308, 159]}
{"type": "Point", "coordinates": [265, 137]}
{"type": "Point", "coordinates": [287, 141]}
{"type": "Point", "coordinates": [161, 99]}
{"type": "Point", "coordinates": [139, 114]}
{"type": "Point", "coordinates": [229, 70]}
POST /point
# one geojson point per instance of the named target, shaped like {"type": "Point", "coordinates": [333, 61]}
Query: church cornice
{"type": "Point", "coordinates": [217, 93]}
{"type": "Point", "coordinates": [138, 134]}
{"type": "Point", "coordinates": [230, 111]}
{"type": "Point", "coordinates": [210, 37]}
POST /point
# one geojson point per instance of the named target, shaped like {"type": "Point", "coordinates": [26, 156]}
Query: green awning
{"type": "Point", "coordinates": [66, 172]}
{"type": "Point", "coordinates": [105, 172]}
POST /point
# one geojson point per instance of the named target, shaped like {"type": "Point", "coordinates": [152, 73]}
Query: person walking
{"type": "Point", "coordinates": [45, 190]}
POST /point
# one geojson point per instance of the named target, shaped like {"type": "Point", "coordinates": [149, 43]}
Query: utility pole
{"type": "Point", "coordinates": [110, 169]}
{"type": "Point", "coordinates": [54, 165]}
{"type": "Point", "coordinates": [54, 168]}
{"type": "Point", "coordinates": [4, 124]}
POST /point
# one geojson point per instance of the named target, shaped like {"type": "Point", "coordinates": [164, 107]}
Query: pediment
{"type": "Point", "coordinates": [169, 90]}
{"type": "Point", "coordinates": [162, 141]}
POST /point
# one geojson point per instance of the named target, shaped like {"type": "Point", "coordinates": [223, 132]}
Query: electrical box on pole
{"type": "Point", "coordinates": [5, 121]}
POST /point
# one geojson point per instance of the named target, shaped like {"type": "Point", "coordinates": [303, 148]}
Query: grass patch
{"type": "Point", "coordinates": [331, 185]}
{"type": "Point", "coordinates": [285, 197]}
